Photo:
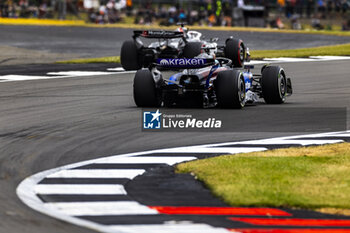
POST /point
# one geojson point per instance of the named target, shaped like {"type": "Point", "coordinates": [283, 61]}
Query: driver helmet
{"type": "Point", "coordinates": [182, 29]}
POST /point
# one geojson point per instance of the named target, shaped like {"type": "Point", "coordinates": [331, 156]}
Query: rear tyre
{"type": "Point", "coordinates": [235, 51]}
{"type": "Point", "coordinates": [274, 85]}
{"type": "Point", "coordinates": [129, 57]}
{"type": "Point", "coordinates": [230, 89]}
{"type": "Point", "coordinates": [145, 91]}
{"type": "Point", "coordinates": [192, 49]}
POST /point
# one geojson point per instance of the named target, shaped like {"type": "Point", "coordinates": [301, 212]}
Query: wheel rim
{"type": "Point", "coordinates": [282, 84]}
{"type": "Point", "coordinates": [241, 52]}
{"type": "Point", "coordinates": [241, 90]}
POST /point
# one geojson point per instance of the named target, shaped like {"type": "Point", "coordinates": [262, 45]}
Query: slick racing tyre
{"type": "Point", "coordinates": [129, 56]}
{"type": "Point", "coordinates": [145, 91]}
{"type": "Point", "coordinates": [230, 89]}
{"type": "Point", "coordinates": [273, 85]}
{"type": "Point", "coordinates": [192, 49]}
{"type": "Point", "coordinates": [235, 51]}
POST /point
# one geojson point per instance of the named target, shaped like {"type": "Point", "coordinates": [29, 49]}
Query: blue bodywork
{"type": "Point", "coordinates": [248, 79]}
{"type": "Point", "coordinates": [174, 78]}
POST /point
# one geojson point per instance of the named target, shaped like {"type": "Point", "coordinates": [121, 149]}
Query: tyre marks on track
{"type": "Point", "coordinates": [92, 193]}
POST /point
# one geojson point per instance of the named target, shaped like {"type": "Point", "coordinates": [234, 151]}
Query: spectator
{"type": "Point", "coordinates": [277, 23]}
{"type": "Point", "coordinates": [346, 25]}
{"type": "Point", "coordinates": [309, 5]}
{"type": "Point", "coordinates": [202, 15]}
{"type": "Point", "coordinates": [211, 12]}
{"type": "Point", "coordinates": [227, 9]}
{"type": "Point", "coordinates": [281, 4]}
{"type": "Point", "coordinates": [300, 7]}
{"type": "Point", "coordinates": [23, 4]}
{"type": "Point", "coordinates": [295, 22]}
{"type": "Point", "coordinates": [43, 9]}
{"type": "Point", "coordinates": [290, 6]}
{"type": "Point", "coordinates": [338, 5]}
{"type": "Point", "coordinates": [162, 11]}
{"type": "Point", "coordinates": [211, 20]}
{"type": "Point", "coordinates": [316, 23]}
{"type": "Point", "coordinates": [194, 17]}
{"type": "Point", "coordinates": [345, 6]}
{"type": "Point", "coordinates": [321, 8]}
{"type": "Point", "coordinates": [92, 16]}
{"type": "Point", "coordinates": [129, 7]}
{"type": "Point", "coordinates": [182, 16]}
{"type": "Point", "coordinates": [218, 11]}
{"type": "Point", "coordinates": [11, 9]}
{"type": "Point", "coordinates": [101, 19]}
{"type": "Point", "coordinates": [329, 7]}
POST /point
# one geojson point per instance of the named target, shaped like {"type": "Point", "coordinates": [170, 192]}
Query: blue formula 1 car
{"type": "Point", "coordinates": [208, 82]}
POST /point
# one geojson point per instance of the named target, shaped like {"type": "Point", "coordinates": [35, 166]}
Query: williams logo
{"type": "Point", "coordinates": [151, 120]}
{"type": "Point", "coordinates": [164, 62]}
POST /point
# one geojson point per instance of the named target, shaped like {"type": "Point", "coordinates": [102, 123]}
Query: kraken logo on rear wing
{"type": "Point", "coordinates": [184, 63]}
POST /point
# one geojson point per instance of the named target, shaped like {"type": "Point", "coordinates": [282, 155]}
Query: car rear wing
{"type": "Point", "coordinates": [184, 63]}
{"type": "Point", "coordinates": [158, 34]}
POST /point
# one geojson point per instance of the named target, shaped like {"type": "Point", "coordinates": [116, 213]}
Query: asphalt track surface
{"type": "Point", "coordinates": [99, 42]}
{"type": "Point", "coordinates": [49, 123]}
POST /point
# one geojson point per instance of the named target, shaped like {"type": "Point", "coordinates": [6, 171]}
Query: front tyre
{"type": "Point", "coordinates": [145, 91]}
{"type": "Point", "coordinates": [235, 51]}
{"type": "Point", "coordinates": [129, 57]}
{"type": "Point", "coordinates": [274, 85]}
{"type": "Point", "coordinates": [230, 89]}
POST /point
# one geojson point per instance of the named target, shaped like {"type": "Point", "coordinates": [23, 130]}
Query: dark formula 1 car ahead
{"type": "Point", "coordinates": [209, 83]}
{"type": "Point", "coordinates": [177, 44]}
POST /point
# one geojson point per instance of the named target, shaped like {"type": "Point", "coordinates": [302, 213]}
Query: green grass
{"type": "Point", "coordinates": [310, 178]}
{"type": "Point", "coordinates": [333, 50]}
{"type": "Point", "coordinates": [115, 59]}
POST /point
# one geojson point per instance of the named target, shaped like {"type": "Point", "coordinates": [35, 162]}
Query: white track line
{"type": "Point", "coordinates": [98, 173]}
{"type": "Point", "coordinates": [173, 227]}
{"type": "Point", "coordinates": [331, 58]}
{"type": "Point", "coordinates": [227, 150]}
{"type": "Point", "coordinates": [147, 160]}
{"type": "Point", "coordinates": [9, 78]}
{"type": "Point", "coordinates": [82, 189]}
{"type": "Point", "coordinates": [101, 208]}
{"type": "Point", "coordinates": [293, 59]}
{"type": "Point", "coordinates": [340, 135]}
{"type": "Point", "coordinates": [58, 75]}
{"type": "Point", "coordinates": [282, 141]}
{"type": "Point", "coordinates": [319, 135]}
{"type": "Point", "coordinates": [81, 73]}
{"type": "Point", "coordinates": [116, 69]}
{"type": "Point", "coordinates": [289, 60]}
{"type": "Point", "coordinates": [255, 62]}
{"type": "Point", "coordinates": [293, 142]}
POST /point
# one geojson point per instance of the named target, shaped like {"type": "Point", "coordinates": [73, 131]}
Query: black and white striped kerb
{"type": "Point", "coordinates": [93, 193]}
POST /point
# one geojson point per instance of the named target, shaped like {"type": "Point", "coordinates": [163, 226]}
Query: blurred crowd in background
{"type": "Point", "coordinates": [319, 14]}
